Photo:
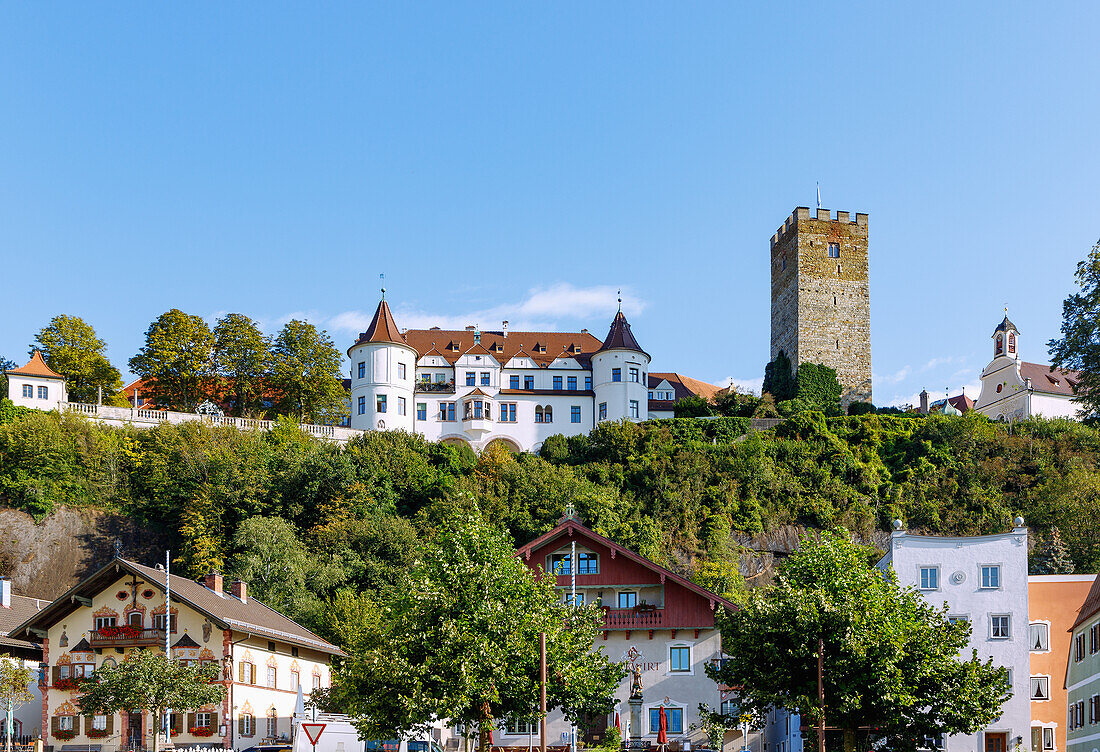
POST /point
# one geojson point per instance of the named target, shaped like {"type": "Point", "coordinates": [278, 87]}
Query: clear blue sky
{"type": "Point", "coordinates": [524, 160]}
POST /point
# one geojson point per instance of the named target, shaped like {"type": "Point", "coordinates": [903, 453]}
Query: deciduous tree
{"type": "Point", "coordinates": [241, 359]}
{"type": "Point", "coordinates": [150, 681]}
{"type": "Point", "coordinates": [176, 360]}
{"type": "Point", "coordinates": [14, 681]}
{"type": "Point", "coordinates": [891, 661]}
{"type": "Point", "coordinates": [305, 371]}
{"type": "Point", "coordinates": [778, 379]}
{"type": "Point", "coordinates": [70, 346]}
{"type": "Point", "coordinates": [461, 642]}
{"type": "Point", "coordinates": [1079, 346]}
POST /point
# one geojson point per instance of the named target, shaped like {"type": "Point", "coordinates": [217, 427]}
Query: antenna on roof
{"type": "Point", "coordinates": [382, 280]}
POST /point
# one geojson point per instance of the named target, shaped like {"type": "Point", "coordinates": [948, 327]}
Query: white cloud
{"type": "Point", "coordinates": [894, 378]}
{"type": "Point", "coordinates": [540, 309]}
{"type": "Point", "coordinates": [752, 386]}
{"type": "Point", "coordinates": [946, 361]}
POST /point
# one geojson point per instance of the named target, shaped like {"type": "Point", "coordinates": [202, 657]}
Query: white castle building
{"type": "Point", "coordinates": [479, 387]}
{"type": "Point", "coordinates": [1013, 389]}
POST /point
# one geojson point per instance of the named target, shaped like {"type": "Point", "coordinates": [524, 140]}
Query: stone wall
{"type": "Point", "coordinates": [821, 306]}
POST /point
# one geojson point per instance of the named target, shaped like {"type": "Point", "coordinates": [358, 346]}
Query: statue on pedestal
{"type": "Point", "coordinates": [635, 681]}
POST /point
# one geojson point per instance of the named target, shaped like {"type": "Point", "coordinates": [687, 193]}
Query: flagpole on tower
{"type": "Point", "coordinates": [819, 195]}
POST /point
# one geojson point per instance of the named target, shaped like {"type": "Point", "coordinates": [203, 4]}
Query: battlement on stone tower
{"type": "Point", "coordinates": [824, 215]}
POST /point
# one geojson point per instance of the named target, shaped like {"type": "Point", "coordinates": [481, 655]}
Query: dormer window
{"type": "Point", "coordinates": [587, 563]}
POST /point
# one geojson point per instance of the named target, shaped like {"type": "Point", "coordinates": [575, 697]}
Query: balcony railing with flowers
{"type": "Point", "coordinates": [442, 387]}
{"type": "Point", "coordinates": [126, 635]}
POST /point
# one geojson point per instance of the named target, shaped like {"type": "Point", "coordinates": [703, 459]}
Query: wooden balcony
{"type": "Point", "coordinates": [120, 637]}
{"type": "Point", "coordinates": [633, 618]}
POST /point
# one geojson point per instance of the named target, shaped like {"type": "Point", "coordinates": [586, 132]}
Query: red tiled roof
{"type": "Point", "coordinates": [683, 386]}
{"type": "Point", "coordinates": [619, 337]}
{"type": "Point", "coordinates": [1049, 382]}
{"type": "Point", "coordinates": [36, 366]}
{"type": "Point", "coordinates": [382, 327]}
{"type": "Point", "coordinates": [426, 341]}
{"type": "Point", "coordinates": [1090, 606]}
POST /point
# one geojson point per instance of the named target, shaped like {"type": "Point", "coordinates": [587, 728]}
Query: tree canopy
{"type": "Point", "coordinates": [1079, 346]}
{"type": "Point", "coordinates": [460, 640]}
{"type": "Point", "coordinates": [892, 662]}
{"type": "Point", "coordinates": [176, 360]}
{"type": "Point", "coordinates": [70, 346]}
{"type": "Point", "coordinates": [305, 372]}
{"type": "Point", "coordinates": [14, 692]}
{"type": "Point", "coordinates": [240, 358]}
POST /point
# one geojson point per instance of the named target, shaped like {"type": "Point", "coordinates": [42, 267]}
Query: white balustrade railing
{"type": "Point", "coordinates": [144, 416]}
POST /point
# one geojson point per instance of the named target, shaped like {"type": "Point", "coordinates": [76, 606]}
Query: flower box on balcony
{"type": "Point", "coordinates": [126, 630]}
{"type": "Point", "coordinates": [69, 684]}
{"type": "Point", "coordinates": [200, 731]}
{"type": "Point", "coordinates": [65, 735]}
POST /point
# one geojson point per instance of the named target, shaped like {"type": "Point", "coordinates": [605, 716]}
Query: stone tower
{"type": "Point", "coordinates": [821, 296]}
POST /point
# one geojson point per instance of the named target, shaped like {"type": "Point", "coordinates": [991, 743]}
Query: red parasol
{"type": "Point", "coordinates": [618, 725]}
{"type": "Point", "coordinates": [662, 731]}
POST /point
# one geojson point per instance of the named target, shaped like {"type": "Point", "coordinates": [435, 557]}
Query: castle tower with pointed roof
{"type": "Point", "coordinates": [383, 373]}
{"type": "Point", "coordinates": [821, 296]}
{"type": "Point", "coordinates": [619, 369]}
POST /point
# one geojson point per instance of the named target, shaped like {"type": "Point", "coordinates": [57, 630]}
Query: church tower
{"type": "Point", "coordinates": [821, 296]}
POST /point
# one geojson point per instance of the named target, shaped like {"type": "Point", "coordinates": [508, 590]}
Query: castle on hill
{"type": "Point", "coordinates": [517, 388]}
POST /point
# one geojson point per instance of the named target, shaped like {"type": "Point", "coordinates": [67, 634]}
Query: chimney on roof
{"type": "Point", "coordinates": [213, 581]}
{"type": "Point", "coordinates": [240, 590]}
{"type": "Point", "coordinates": [504, 328]}
{"type": "Point", "coordinates": [5, 592]}
{"type": "Point", "coordinates": [584, 331]}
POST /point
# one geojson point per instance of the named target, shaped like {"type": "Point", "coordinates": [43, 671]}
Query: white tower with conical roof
{"type": "Point", "coordinates": [383, 374]}
{"type": "Point", "coordinates": [619, 374]}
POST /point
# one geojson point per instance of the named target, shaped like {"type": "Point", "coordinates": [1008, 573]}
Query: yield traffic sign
{"type": "Point", "coordinates": [313, 731]}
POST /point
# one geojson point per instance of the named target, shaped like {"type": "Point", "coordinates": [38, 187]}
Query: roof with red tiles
{"type": "Point", "coordinates": [1091, 605]}
{"type": "Point", "coordinates": [683, 386]}
{"type": "Point", "coordinates": [36, 366]}
{"type": "Point", "coordinates": [1048, 381]}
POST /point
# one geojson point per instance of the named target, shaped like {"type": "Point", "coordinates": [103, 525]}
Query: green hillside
{"type": "Point", "coordinates": [671, 489]}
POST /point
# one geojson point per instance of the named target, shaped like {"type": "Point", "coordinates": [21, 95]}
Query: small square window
{"type": "Point", "coordinates": [679, 658]}
{"type": "Point", "coordinates": [421, 410]}
{"type": "Point", "coordinates": [1039, 637]}
{"type": "Point", "coordinates": [1040, 688]}
{"type": "Point", "coordinates": [513, 382]}
{"type": "Point", "coordinates": [43, 392]}
{"type": "Point", "coordinates": [616, 374]}
{"type": "Point", "coordinates": [380, 403]}
{"type": "Point", "coordinates": [991, 576]}
{"type": "Point", "coordinates": [471, 378]}
{"type": "Point", "coordinates": [28, 391]}
{"type": "Point", "coordinates": [929, 578]}
{"type": "Point", "coordinates": [628, 600]}
{"type": "Point", "coordinates": [485, 378]}
{"type": "Point", "coordinates": [557, 383]}
{"type": "Point", "coordinates": [575, 414]}
{"type": "Point", "coordinates": [528, 382]}
{"type": "Point", "coordinates": [1000, 627]}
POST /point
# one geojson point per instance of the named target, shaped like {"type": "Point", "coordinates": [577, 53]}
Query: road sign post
{"type": "Point", "coordinates": [313, 732]}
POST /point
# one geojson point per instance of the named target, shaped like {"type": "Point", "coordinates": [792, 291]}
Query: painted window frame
{"type": "Point", "coordinates": [993, 629]}
{"type": "Point", "coordinates": [995, 570]}
{"type": "Point", "coordinates": [679, 648]}
{"type": "Point", "coordinates": [933, 570]}
{"type": "Point", "coordinates": [1038, 632]}
{"type": "Point", "coordinates": [1039, 688]}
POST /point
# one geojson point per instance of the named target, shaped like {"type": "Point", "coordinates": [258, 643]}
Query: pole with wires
{"type": "Point", "coordinates": [167, 634]}
{"type": "Point", "coordinates": [573, 602]}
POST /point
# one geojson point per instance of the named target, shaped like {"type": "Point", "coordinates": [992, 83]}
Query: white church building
{"type": "Point", "coordinates": [478, 387]}
{"type": "Point", "coordinates": [1013, 389]}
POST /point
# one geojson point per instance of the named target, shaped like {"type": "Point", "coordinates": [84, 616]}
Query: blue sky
{"type": "Point", "coordinates": [523, 161]}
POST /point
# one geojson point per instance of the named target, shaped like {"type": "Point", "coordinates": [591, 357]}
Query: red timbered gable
{"type": "Point", "coordinates": [634, 592]}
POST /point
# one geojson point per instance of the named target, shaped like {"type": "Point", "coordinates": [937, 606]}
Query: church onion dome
{"type": "Point", "coordinates": [382, 328]}
{"type": "Point", "coordinates": [185, 642]}
{"type": "Point", "coordinates": [1006, 326]}
{"type": "Point", "coordinates": [620, 337]}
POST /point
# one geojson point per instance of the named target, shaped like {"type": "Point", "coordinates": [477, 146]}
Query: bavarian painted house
{"type": "Point", "coordinates": [264, 657]}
